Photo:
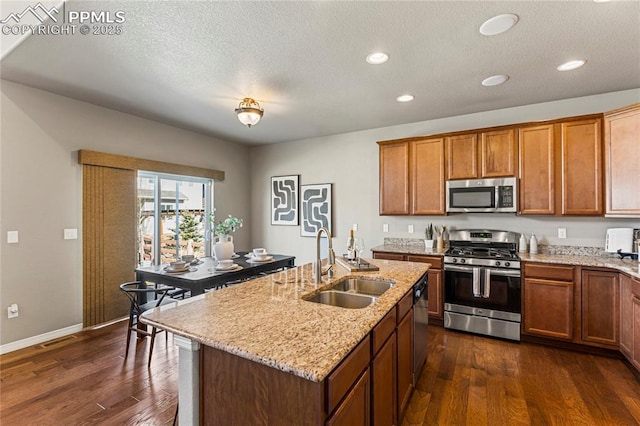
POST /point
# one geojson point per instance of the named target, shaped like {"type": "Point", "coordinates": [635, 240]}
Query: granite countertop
{"type": "Point", "coordinates": [266, 321]}
{"type": "Point", "coordinates": [573, 256]}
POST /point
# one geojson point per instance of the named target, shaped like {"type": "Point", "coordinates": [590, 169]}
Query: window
{"type": "Point", "coordinates": [172, 217]}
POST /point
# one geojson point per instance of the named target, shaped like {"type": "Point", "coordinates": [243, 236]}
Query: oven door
{"type": "Point", "coordinates": [483, 287]}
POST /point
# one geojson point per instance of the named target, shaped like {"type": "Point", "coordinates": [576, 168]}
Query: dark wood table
{"type": "Point", "coordinates": [204, 276]}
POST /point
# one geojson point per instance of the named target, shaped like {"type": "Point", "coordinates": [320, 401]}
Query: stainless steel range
{"type": "Point", "coordinates": [482, 283]}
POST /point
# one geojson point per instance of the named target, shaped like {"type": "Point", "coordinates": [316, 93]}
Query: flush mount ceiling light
{"type": "Point", "coordinates": [495, 80]}
{"type": "Point", "coordinates": [377, 58]}
{"type": "Point", "coordinates": [498, 24]}
{"type": "Point", "coordinates": [405, 98]}
{"type": "Point", "coordinates": [249, 112]}
{"type": "Point", "coordinates": [571, 65]}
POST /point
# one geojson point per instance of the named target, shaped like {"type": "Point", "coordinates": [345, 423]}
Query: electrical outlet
{"type": "Point", "coordinates": [12, 311]}
{"type": "Point", "coordinates": [355, 227]}
{"type": "Point", "coordinates": [410, 229]}
{"type": "Point", "coordinates": [385, 227]}
{"type": "Point", "coordinates": [562, 232]}
{"type": "Point", "coordinates": [71, 234]}
{"type": "Point", "coordinates": [12, 237]}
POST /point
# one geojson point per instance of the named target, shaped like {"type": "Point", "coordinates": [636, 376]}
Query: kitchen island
{"type": "Point", "coordinates": [259, 353]}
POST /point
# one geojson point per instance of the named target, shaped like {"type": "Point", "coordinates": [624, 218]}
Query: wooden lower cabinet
{"type": "Point", "coordinates": [355, 409]}
{"type": "Point", "coordinates": [548, 301]}
{"type": "Point", "coordinates": [384, 389]}
{"type": "Point", "coordinates": [405, 361]}
{"type": "Point", "coordinates": [435, 290]}
{"type": "Point", "coordinates": [436, 280]}
{"type": "Point", "coordinates": [630, 319]}
{"type": "Point", "coordinates": [600, 308]}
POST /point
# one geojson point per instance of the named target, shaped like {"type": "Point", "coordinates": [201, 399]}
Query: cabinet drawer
{"type": "Point", "coordinates": [388, 256]}
{"type": "Point", "coordinates": [383, 330]}
{"type": "Point", "coordinates": [345, 375]}
{"type": "Point", "coordinates": [404, 305]}
{"type": "Point", "coordinates": [435, 261]}
{"type": "Point", "coordinates": [537, 270]}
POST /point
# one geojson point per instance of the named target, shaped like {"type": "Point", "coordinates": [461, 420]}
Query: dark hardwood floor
{"type": "Point", "coordinates": [468, 379]}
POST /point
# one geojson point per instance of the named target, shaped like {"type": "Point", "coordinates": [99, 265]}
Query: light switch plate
{"type": "Point", "coordinates": [12, 237]}
{"type": "Point", "coordinates": [385, 227]}
{"type": "Point", "coordinates": [71, 234]}
{"type": "Point", "coordinates": [562, 232]}
{"type": "Point", "coordinates": [410, 229]}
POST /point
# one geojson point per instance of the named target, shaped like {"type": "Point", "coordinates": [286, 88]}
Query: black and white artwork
{"type": "Point", "coordinates": [316, 208]}
{"type": "Point", "coordinates": [284, 200]}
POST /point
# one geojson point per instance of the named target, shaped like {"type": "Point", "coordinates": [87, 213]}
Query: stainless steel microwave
{"type": "Point", "coordinates": [482, 195]}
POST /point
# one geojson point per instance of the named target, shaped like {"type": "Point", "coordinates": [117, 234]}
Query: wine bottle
{"type": "Point", "coordinates": [351, 246]}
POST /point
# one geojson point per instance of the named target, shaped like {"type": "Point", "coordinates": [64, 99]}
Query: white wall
{"type": "Point", "coordinates": [350, 162]}
{"type": "Point", "coordinates": [41, 190]}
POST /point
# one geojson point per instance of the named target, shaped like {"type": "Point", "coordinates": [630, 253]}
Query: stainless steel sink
{"type": "Point", "coordinates": [363, 286]}
{"type": "Point", "coordinates": [342, 299]}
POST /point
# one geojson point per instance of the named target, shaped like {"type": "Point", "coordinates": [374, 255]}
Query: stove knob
{"type": "Point", "coordinates": [507, 264]}
{"type": "Point", "coordinates": [497, 263]}
{"type": "Point", "coordinates": [455, 260]}
{"type": "Point", "coordinates": [462, 261]}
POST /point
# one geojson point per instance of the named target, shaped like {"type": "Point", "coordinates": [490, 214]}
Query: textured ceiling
{"type": "Point", "coordinates": [190, 63]}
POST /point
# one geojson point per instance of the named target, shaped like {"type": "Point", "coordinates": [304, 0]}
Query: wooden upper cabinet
{"type": "Point", "coordinates": [427, 177]}
{"type": "Point", "coordinates": [462, 156]}
{"type": "Point", "coordinates": [394, 178]}
{"type": "Point", "coordinates": [537, 176]}
{"type": "Point", "coordinates": [581, 173]}
{"type": "Point", "coordinates": [498, 153]}
{"type": "Point", "coordinates": [622, 161]}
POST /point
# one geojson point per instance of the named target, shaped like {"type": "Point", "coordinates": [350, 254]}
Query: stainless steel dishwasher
{"type": "Point", "coordinates": [420, 322]}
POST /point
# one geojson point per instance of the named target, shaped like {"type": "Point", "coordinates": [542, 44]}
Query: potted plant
{"type": "Point", "coordinates": [223, 241]}
{"type": "Point", "coordinates": [428, 237]}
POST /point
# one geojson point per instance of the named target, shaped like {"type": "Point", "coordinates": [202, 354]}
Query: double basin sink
{"type": "Point", "coordinates": [352, 292]}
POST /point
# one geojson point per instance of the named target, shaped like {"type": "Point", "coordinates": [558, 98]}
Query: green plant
{"type": "Point", "coordinates": [226, 226]}
{"type": "Point", "coordinates": [428, 233]}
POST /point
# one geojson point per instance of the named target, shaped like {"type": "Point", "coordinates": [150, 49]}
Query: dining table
{"type": "Point", "coordinates": [204, 273]}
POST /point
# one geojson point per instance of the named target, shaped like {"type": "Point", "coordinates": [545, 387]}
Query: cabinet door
{"type": "Point", "coordinates": [498, 153]}
{"type": "Point", "coordinates": [384, 384]}
{"type": "Point", "coordinates": [635, 358]}
{"type": "Point", "coordinates": [462, 156]}
{"type": "Point", "coordinates": [394, 178]}
{"type": "Point", "coordinates": [548, 308]}
{"type": "Point", "coordinates": [581, 150]}
{"type": "Point", "coordinates": [404, 335]}
{"type": "Point", "coordinates": [537, 160]}
{"type": "Point", "coordinates": [600, 307]}
{"type": "Point", "coordinates": [427, 172]}
{"type": "Point", "coordinates": [354, 409]}
{"type": "Point", "coordinates": [626, 316]}
{"type": "Point", "coordinates": [622, 162]}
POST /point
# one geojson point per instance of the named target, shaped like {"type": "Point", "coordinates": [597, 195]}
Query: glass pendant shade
{"type": "Point", "coordinates": [249, 112]}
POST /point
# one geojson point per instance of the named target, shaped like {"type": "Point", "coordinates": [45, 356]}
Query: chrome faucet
{"type": "Point", "coordinates": [332, 257]}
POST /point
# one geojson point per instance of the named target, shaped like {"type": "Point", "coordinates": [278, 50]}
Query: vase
{"type": "Point", "coordinates": [223, 247]}
{"type": "Point", "coordinates": [428, 244]}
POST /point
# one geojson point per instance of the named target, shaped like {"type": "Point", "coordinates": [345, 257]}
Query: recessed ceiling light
{"type": "Point", "coordinates": [571, 65]}
{"type": "Point", "coordinates": [601, 1]}
{"type": "Point", "coordinates": [498, 24]}
{"type": "Point", "coordinates": [377, 58]}
{"type": "Point", "coordinates": [495, 80]}
{"type": "Point", "coordinates": [404, 98]}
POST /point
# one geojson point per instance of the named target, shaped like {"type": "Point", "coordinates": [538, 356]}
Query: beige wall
{"type": "Point", "coordinates": [350, 162]}
{"type": "Point", "coordinates": [40, 195]}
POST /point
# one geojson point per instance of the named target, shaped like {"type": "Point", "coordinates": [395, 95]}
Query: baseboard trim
{"type": "Point", "coordinates": [35, 340]}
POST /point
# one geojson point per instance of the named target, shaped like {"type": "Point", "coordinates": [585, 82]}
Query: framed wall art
{"type": "Point", "coordinates": [315, 208]}
{"type": "Point", "coordinates": [284, 200]}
